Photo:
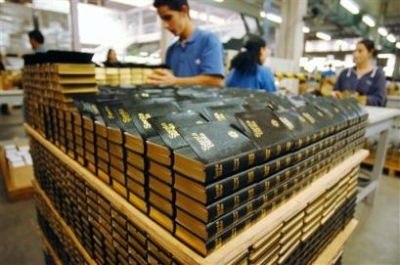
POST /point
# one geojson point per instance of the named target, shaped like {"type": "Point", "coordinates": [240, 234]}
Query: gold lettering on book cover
{"type": "Point", "coordinates": [267, 185]}
{"type": "Point", "coordinates": [109, 113]}
{"type": "Point", "coordinates": [275, 123]}
{"type": "Point", "coordinates": [219, 190]}
{"type": "Point", "coordinates": [144, 118]}
{"type": "Point", "coordinates": [204, 142]}
{"type": "Point", "coordinates": [234, 232]}
{"type": "Point", "coordinates": [236, 183]}
{"type": "Point", "coordinates": [249, 208]}
{"type": "Point", "coordinates": [219, 116]}
{"type": "Point", "coordinates": [236, 164]}
{"type": "Point", "coordinates": [250, 193]}
{"type": "Point", "coordinates": [250, 177]}
{"type": "Point", "coordinates": [257, 132]}
{"type": "Point", "coordinates": [236, 200]}
{"type": "Point", "coordinates": [278, 179]}
{"type": "Point", "coordinates": [309, 117]}
{"type": "Point", "coordinates": [219, 170]}
{"type": "Point", "coordinates": [220, 225]}
{"type": "Point", "coordinates": [170, 129]}
{"type": "Point", "coordinates": [248, 224]}
{"type": "Point", "coordinates": [251, 157]}
{"type": "Point", "coordinates": [266, 170]}
{"type": "Point", "coordinates": [125, 116]}
{"type": "Point", "coordinates": [278, 165]}
{"type": "Point", "coordinates": [288, 145]}
{"type": "Point", "coordinates": [218, 242]}
{"type": "Point", "coordinates": [267, 153]}
{"type": "Point", "coordinates": [278, 149]}
{"type": "Point", "coordinates": [233, 134]}
{"type": "Point", "coordinates": [288, 124]}
{"type": "Point", "coordinates": [220, 209]}
{"type": "Point", "coordinates": [288, 160]}
{"type": "Point", "coordinates": [235, 216]}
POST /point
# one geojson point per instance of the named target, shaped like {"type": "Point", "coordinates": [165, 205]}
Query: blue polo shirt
{"type": "Point", "coordinates": [202, 54]}
{"type": "Point", "coordinates": [262, 79]}
{"type": "Point", "coordinates": [372, 85]}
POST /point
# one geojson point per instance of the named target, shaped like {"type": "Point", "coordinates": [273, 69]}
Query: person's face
{"type": "Point", "coordinates": [174, 21]}
{"type": "Point", "coordinates": [263, 55]}
{"type": "Point", "coordinates": [361, 54]}
{"type": "Point", "coordinates": [112, 56]}
{"type": "Point", "coordinates": [33, 43]}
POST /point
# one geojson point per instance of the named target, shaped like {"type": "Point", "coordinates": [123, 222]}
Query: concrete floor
{"type": "Point", "coordinates": [375, 242]}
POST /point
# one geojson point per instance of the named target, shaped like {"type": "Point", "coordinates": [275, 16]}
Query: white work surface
{"type": "Point", "coordinates": [380, 122]}
{"type": "Point", "coordinates": [13, 97]}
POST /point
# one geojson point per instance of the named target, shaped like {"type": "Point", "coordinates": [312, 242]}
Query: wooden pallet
{"type": "Point", "coordinates": [391, 168]}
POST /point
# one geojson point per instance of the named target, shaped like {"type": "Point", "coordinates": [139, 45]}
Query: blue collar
{"type": "Point", "coordinates": [195, 36]}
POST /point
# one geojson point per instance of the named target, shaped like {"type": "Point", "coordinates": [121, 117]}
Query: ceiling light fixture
{"type": "Point", "coordinates": [306, 29]}
{"type": "Point", "coordinates": [219, 1]}
{"type": "Point", "coordinates": [138, 3]}
{"type": "Point", "coordinates": [391, 38]}
{"type": "Point", "coordinates": [383, 31]}
{"type": "Point", "coordinates": [351, 6]}
{"type": "Point", "coordinates": [367, 19]}
{"type": "Point", "coordinates": [398, 45]}
{"type": "Point", "coordinates": [323, 36]}
{"type": "Point", "coordinates": [262, 14]}
{"type": "Point", "coordinates": [274, 17]}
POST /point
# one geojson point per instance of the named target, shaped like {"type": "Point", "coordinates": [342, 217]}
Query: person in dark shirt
{"type": "Point", "coordinates": [247, 70]}
{"type": "Point", "coordinates": [112, 60]}
{"type": "Point", "coordinates": [365, 81]}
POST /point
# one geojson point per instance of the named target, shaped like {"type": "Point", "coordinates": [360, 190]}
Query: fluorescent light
{"type": "Point", "coordinates": [341, 43]}
{"type": "Point", "coordinates": [219, 1]}
{"type": "Point", "coordinates": [398, 45]}
{"type": "Point", "coordinates": [351, 6]}
{"type": "Point", "coordinates": [262, 14]}
{"type": "Point", "coordinates": [391, 38]}
{"type": "Point", "coordinates": [306, 29]}
{"type": "Point", "coordinates": [144, 54]}
{"type": "Point", "coordinates": [138, 3]}
{"type": "Point", "coordinates": [274, 18]}
{"type": "Point", "coordinates": [382, 31]}
{"type": "Point", "coordinates": [384, 55]}
{"type": "Point", "coordinates": [193, 13]}
{"type": "Point", "coordinates": [367, 19]}
{"type": "Point", "coordinates": [323, 36]}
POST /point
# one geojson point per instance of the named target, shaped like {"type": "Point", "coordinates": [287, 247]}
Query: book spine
{"type": "Point", "coordinates": [232, 184]}
{"type": "Point", "coordinates": [217, 171]}
{"type": "Point", "coordinates": [226, 222]}
{"type": "Point", "coordinates": [234, 201]}
{"type": "Point", "coordinates": [216, 242]}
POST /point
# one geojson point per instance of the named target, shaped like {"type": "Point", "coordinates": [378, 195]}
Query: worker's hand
{"type": "Point", "coordinates": [362, 99]}
{"type": "Point", "coordinates": [337, 94]}
{"type": "Point", "coordinates": [161, 77]}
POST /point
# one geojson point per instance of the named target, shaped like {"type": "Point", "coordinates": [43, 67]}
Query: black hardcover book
{"type": "Point", "coordinates": [323, 126]}
{"type": "Point", "coordinates": [302, 130]}
{"type": "Point", "coordinates": [216, 227]}
{"type": "Point", "coordinates": [206, 214]}
{"type": "Point", "coordinates": [205, 248]}
{"type": "Point", "coordinates": [223, 113]}
{"type": "Point", "coordinates": [218, 190]}
{"type": "Point", "coordinates": [337, 118]}
{"type": "Point", "coordinates": [141, 115]}
{"type": "Point", "coordinates": [266, 130]}
{"type": "Point", "coordinates": [216, 150]}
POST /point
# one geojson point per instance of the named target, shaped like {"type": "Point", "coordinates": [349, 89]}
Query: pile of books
{"type": "Point", "coordinates": [129, 74]}
{"type": "Point", "coordinates": [207, 163]}
{"type": "Point", "coordinates": [51, 79]}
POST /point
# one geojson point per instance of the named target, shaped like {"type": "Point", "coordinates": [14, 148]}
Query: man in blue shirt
{"type": "Point", "coordinates": [196, 58]}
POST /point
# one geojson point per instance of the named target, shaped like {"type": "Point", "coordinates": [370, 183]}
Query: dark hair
{"type": "Point", "coordinates": [249, 57]}
{"type": "Point", "coordinates": [172, 4]}
{"type": "Point", "coordinates": [370, 45]}
{"type": "Point", "coordinates": [109, 51]}
{"type": "Point", "coordinates": [36, 35]}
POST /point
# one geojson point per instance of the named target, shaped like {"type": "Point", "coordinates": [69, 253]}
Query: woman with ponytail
{"type": "Point", "coordinates": [247, 70]}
